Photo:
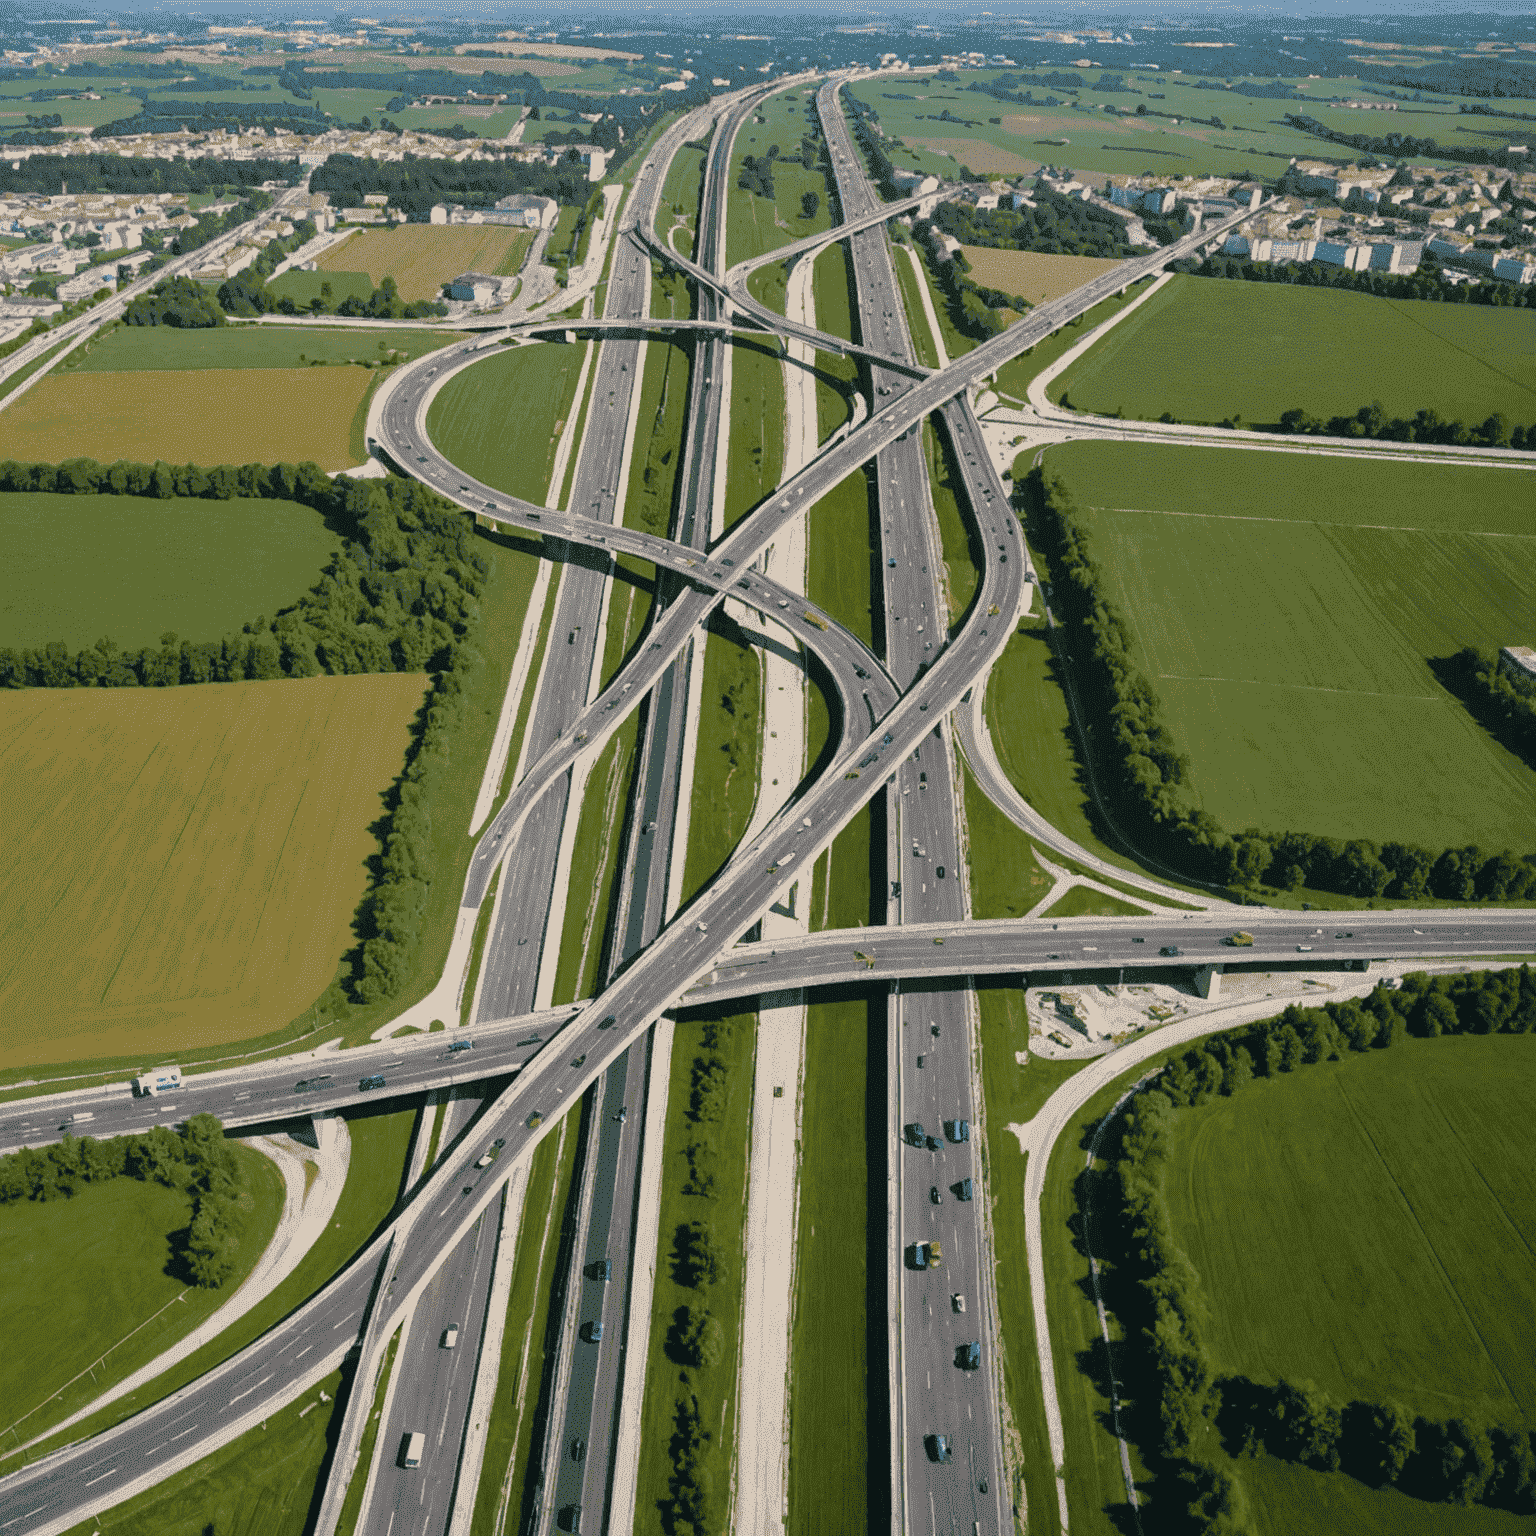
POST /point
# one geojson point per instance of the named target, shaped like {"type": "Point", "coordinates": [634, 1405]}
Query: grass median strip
{"type": "Point", "coordinates": [506, 1474]}
{"type": "Point", "coordinates": [1006, 878]}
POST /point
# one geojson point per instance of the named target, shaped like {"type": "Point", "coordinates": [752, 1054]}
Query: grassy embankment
{"type": "Point", "coordinates": [1376, 1165]}
{"type": "Point", "coordinates": [1012, 379]}
{"type": "Point", "coordinates": [1014, 1090]}
{"type": "Point", "coordinates": [957, 546]}
{"type": "Point", "coordinates": [688, 1423]}
{"type": "Point", "coordinates": [265, 1481]}
{"type": "Point", "coordinates": [1080, 901]}
{"type": "Point", "coordinates": [1325, 351]}
{"type": "Point", "coordinates": [95, 1293]}
{"type": "Point", "coordinates": [380, 1143]}
{"type": "Point", "coordinates": [1006, 879]}
{"type": "Point", "coordinates": [525, 1351]}
{"type": "Point", "coordinates": [836, 376]}
{"type": "Point", "coordinates": [352, 1505]}
{"type": "Point", "coordinates": [1296, 619]}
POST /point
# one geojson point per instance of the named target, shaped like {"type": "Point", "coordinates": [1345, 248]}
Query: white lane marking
{"type": "Point", "coordinates": [303, 1351]}
{"type": "Point", "coordinates": [182, 1435]}
{"type": "Point", "coordinates": [26, 1516]}
{"type": "Point", "coordinates": [107, 1473]}
{"type": "Point", "coordinates": [264, 1380]}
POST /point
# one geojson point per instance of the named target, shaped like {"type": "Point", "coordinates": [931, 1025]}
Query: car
{"type": "Point", "coordinates": [957, 1301]}
{"type": "Point", "coordinates": [1170, 949]}
{"type": "Point", "coordinates": [485, 1160]}
{"type": "Point", "coordinates": [594, 1331]}
{"type": "Point", "coordinates": [499, 1143]}
{"type": "Point", "coordinates": [450, 1336]}
{"type": "Point", "coordinates": [1239, 940]}
{"type": "Point", "coordinates": [622, 1115]}
{"type": "Point", "coordinates": [935, 1029]}
{"type": "Point", "coordinates": [1138, 940]}
{"type": "Point", "coordinates": [920, 1061]}
{"type": "Point", "coordinates": [958, 1130]}
{"type": "Point", "coordinates": [968, 1356]}
{"type": "Point", "coordinates": [963, 1190]}
{"type": "Point", "coordinates": [534, 1121]}
{"type": "Point", "coordinates": [580, 1060]}
{"type": "Point", "coordinates": [368, 1084]}
{"type": "Point", "coordinates": [935, 1254]}
{"type": "Point", "coordinates": [941, 871]}
{"type": "Point", "coordinates": [1303, 949]}
{"type": "Point", "coordinates": [461, 1045]}
{"type": "Point", "coordinates": [933, 1194]}
{"type": "Point", "coordinates": [934, 1144]}
{"type": "Point", "coordinates": [937, 1447]}
{"type": "Point", "coordinates": [578, 1450]}
{"type": "Point", "coordinates": [600, 1269]}
{"type": "Point", "coordinates": [916, 1135]}
{"type": "Point", "coordinates": [891, 563]}
{"type": "Point", "coordinates": [609, 1022]}
{"type": "Point", "coordinates": [311, 1084]}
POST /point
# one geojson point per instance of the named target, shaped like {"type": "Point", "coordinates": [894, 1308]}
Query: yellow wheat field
{"type": "Point", "coordinates": [183, 864]}
{"type": "Point", "coordinates": [422, 257]}
{"type": "Point", "coordinates": [1033, 275]}
{"type": "Point", "coordinates": [203, 416]}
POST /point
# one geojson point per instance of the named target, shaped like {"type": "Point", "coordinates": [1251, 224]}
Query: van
{"type": "Point", "coordinates": [451, 1336]}
{"type": "Point", "coordinates": [963, 1190]}
{"type": "Point", "coordinates": [958, 1130]}
{"type": "Point", "coordinates": [411, 1448]}
{"type": "Point", "coordinates": [160, 1080]}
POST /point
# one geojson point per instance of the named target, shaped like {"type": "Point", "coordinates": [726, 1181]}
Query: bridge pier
{"type": "Point", "coordinates": [1208, 981]}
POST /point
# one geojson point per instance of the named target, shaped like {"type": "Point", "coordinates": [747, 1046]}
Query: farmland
{"type": "Point", "coordinates": [210, 416]}
{"type": "Point", "coordinates": [991, 135]}
{"type": "Point", "coordinates": [1036, 276]}
{"type": "Point", "coordinates": [157, 348]}
{"type": "Point", "coordinates": [1324, 350]}
{"type": "Point", "coordinates": [1394, 1180]}
{"type": "Point", "coordinates": [1291, 612]}
{"type": "Point", "coordinates": [211, 841]}
{"type": "Point", "coordinates": [422, 257]}
{"type": "Point", "coordinates": [132, 567]}
{"type": "Point", "coordinates": [501, 420]}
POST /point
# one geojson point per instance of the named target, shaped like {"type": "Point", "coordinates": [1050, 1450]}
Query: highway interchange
{"type": "Point", "coordinates": [890, 713]}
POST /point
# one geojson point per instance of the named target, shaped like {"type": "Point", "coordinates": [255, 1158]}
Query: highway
{"type": "Point", "coordinates": [879, 730]}
{"type": "Point", "coordinates": [932, 1041]}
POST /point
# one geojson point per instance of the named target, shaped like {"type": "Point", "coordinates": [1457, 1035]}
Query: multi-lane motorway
{"type": "Point", "coordinates": [889, 713]}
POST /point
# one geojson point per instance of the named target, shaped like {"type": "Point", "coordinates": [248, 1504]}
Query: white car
{"type": "Point", "coordinates": [957, 1301]}
{"type": "Point", "coordinates": [451, 1336]}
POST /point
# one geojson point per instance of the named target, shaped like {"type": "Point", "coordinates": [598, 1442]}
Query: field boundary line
{"type": "Point", "coordinates": [1256, 682]}
{"type": "Point", "coordinates": [1314, 522]}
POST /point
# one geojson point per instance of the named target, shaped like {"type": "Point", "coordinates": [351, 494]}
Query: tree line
{"type": "Point", "coordinates": [213, 116]}
{"type": "Point", "coordinates": [197, 1161]}
{"type": "Point", "coordinates": [696, 1338]}
{"type": "Point", "coordinates": [401, 595]}
{"type": "Point", "coordinates": [1407, 146]}
{"type": "Point", "coordinates": [1427, 283]}
{"type": "Point", "coordinates": [1148, 773]}
{"type": "Point", "coordinates": [1425, 426]}
{"type": "Point", "coordinates": [1456, 1460]}
{"type": "Point", "coordinates": [414, 184]}
{"type": "Point", "coordinates": [138, 176]}
{"type": "Point", "coordinates": [1500, 707]}
{"type": "Point", "coordinates": [245, 295]}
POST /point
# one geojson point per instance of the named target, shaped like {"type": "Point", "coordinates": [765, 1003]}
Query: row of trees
{"type": "Point", "coordinates": [1148, 773]}
{"type": "Point", "coordinates": [196, 1161]}
{"type": "Point", "coordinates": [1457, 1460]}
{"type": "Point", "coordinates": [1407, 146]}
{"type": "Point", "coordinates": [1424, 426]}
{"type": "Point", "coordinates": [246, 295]}
{"type": "Point", "coordinates": [402, 595]}
{"type": "Point", "coordinates": [696, 1338]}
{"type": "Point", "coordinates": [1428, 282]}
{"type": "Point", "coordinates": [178, 302]}
{"type": "Point", "coordinates": [415, 183]}
{"type": "Point", "coordinates": [214, 116]}
{"type": "Point", "coordinates": [1499, 705]}
{"type": "Point", "coordinates": [138, 176]}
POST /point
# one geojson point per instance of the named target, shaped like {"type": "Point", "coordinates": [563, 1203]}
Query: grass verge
{"type": "Point", "coordinates": [1006, 878]}
{"type": "Point", "coordinates": [352, 1505]}
{"type": "Point", "coordinates": [1080, 901]}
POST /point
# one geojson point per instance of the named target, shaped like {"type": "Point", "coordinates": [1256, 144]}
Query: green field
{"type": "Point", "coordinates": [753, 224]}
{"type": "Point", "coordinates": [989, 135]}
{"type": "Point", "coordinates": [1371, 1228]}
{"type": "Point", "coordinates": [132, 567]}
{"type": "Point", "coordinates": [501, 420]}
{"type": "Point", "coordinates": [157, 348]}
{"type": "Point", "coordinates": [1291, 610]}
{"type": "Point", "coordinates": [1324, 350]}
{"type": "Point", "coordinates": [90, 1277]}
{"type": "Point", "coordinates": [302, 287]}
{"type": "Point", "coordinates": [1083, 901]}
{"type": "Point", "coordinates": [755, 460]}
{"type": "Point", "coordinates": [375, 1172]}
{"type": "Point", "coordinates": [839, 554]}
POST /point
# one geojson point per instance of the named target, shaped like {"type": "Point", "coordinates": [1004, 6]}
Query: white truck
{"type": "Point", "coordinates": [160, 1080]}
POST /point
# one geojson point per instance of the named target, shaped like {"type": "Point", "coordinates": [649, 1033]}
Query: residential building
{"type": "Point", "coordinates": [85, 283]}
